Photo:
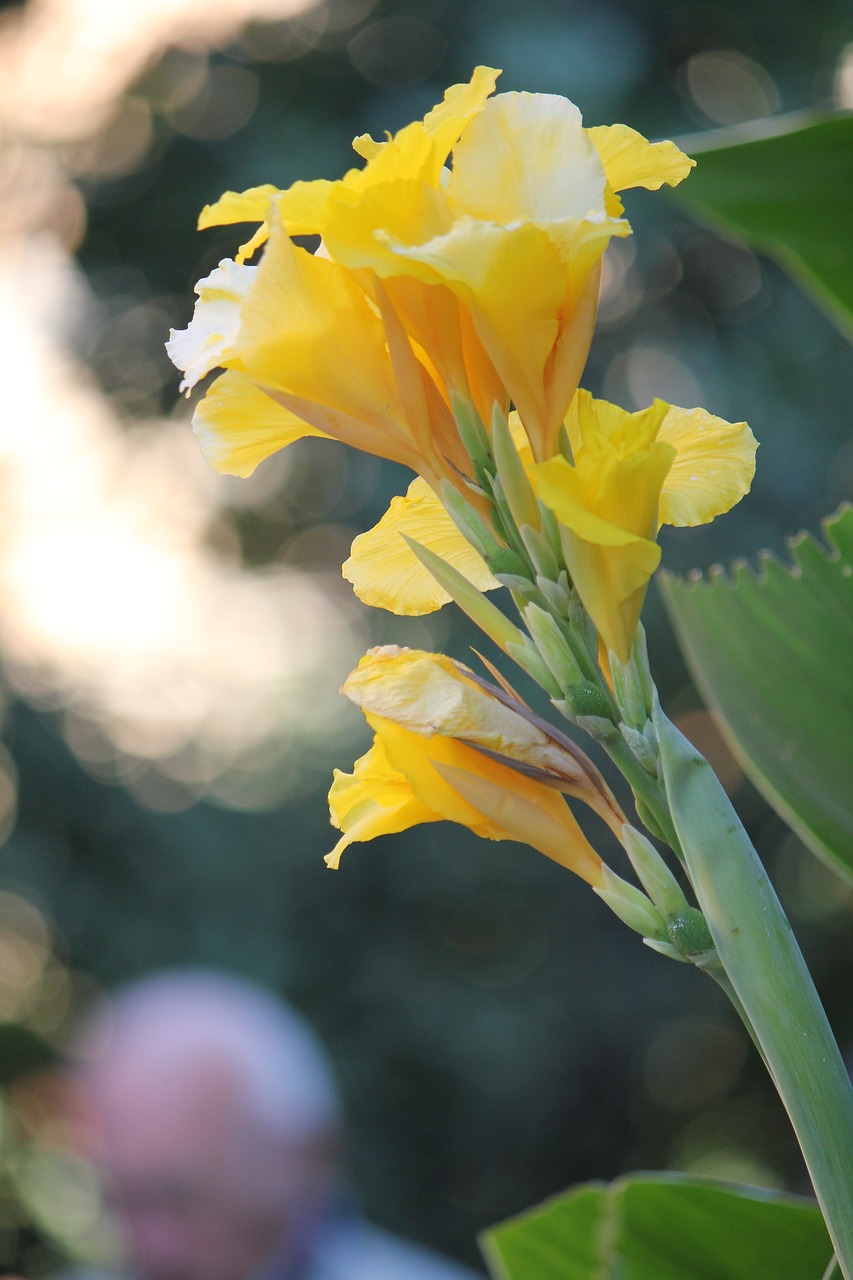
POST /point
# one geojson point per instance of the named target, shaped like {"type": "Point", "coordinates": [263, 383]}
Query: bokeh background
{"type": "Point", "coordinates": [172, 642]}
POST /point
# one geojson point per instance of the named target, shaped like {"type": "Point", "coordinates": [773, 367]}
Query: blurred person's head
{"type": "Point", "coordinates": [216, 1124]}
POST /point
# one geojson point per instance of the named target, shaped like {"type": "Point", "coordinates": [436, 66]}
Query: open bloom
{"type": "Point", "coordinates": [449, 746]}
{"type": "Point", "coordinates": [477, 281]}
{"type": "Point", "coordinates": [633, 472]}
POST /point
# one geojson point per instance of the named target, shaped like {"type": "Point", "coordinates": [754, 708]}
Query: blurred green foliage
{"type": "Point", "coordinates": [498, 1035]}
{"type": "Point", "coordinates": [670, 1228]}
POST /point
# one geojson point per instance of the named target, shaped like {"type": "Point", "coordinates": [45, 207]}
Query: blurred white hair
{"type": "Point", "coordinates": [176, 1015]}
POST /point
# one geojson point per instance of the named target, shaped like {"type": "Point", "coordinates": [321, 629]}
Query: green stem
{"type": "Point", "coordinates": [768, 975]}
{"type": "Point", "coordinates": [645, 788]}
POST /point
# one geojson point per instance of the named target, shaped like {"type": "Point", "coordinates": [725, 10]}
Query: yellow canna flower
{"type": "Point", "coordinates": [301, 332]}
{"type": "Point", "coordinates": [516, 232]}
{"type": "Point", "coordinates": [478, 281]}
{"type": "Point", "coordinates": [451, 747]}
{"type": "Point", "coordinates": [633, 472]}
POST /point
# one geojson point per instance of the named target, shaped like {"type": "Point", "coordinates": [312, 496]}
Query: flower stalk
{"type": "Point", "coordinates": [774, 989]}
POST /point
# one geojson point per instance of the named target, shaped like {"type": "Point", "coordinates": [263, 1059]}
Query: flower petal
{"type": "Point", "coordinates": [252, 205]}
{"type": "Point", "coordinates": [238, 206]}
{"type": "Point", "coordinates": [238, 425]}
{"type": "Point", "coordinates": [309, 333]}
{"type": "Point", "coordinates": [630, 160]}
{"type": "Point", "coordinates": [374, 800]}
{"type": "Point", "coordinates": [526, 156]}
{"type": "Point", "coordinates": [713, 468]}
{"type": "Point", "coordinates": [498, 803]}
{"type": "Point", "coordinates": [210, 338]}
{"type": "Point", "coordinates": [442, 126]}
{"type": "Point", "coordinates": [386, 574]}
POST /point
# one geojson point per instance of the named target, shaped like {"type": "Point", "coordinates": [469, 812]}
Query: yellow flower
{"type": "Point", "coordinates": [633, 472]}
{"type": "Point", "coordinates": [478, 281]}
{"type": "Point", "coordinates": [516, 233]}
{"type": "Point", "coordinates": [450, 747]}
{"type": "Point", "coordinates": [300, 331]}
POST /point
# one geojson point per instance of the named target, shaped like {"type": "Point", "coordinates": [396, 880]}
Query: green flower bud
{"type": "Point", "coordinates": [689, 932]}
{"type": "Point", "coordinates": [586, 699]}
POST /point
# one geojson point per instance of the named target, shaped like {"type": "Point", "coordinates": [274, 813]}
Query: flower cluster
{"type": "Point", "coordinates": [443, 321]}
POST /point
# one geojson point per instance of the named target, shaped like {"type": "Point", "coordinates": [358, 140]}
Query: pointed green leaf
{"type": "Point", "coordinates": [669, 1227]}
{"type": "Point", "coordinates": [786, 193]}
{"type": "Point", "coordinates": [772, 654]}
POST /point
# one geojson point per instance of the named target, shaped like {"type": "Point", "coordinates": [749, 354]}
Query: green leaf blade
{"type": "Point", "coordinates": [662, 1227]}
{"type": "Point", "coordinates": [772, 654]}
{"type": "Point", "coordinates": [788, 194]}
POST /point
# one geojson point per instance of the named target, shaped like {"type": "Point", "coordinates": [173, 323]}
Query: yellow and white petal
{"type": "Point", "coordinates": [630, 160]}
{"type": "Point", "coordinates": [713, 468]}
{"type": "Point", "coordinates": [210, 338]}
{"type": "Point", "coordinates": [386, 574]}
{"type": "Point", "coordinates": [238, 425]}
{"type": "Point", "coordinates": [526, 156]}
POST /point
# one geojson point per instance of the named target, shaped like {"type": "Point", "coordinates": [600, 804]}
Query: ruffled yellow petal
{"type": "Point", "coordinates": [713, 468]}
{"type": "Point", "coordinates": [238, 206]}
{"type": "Point", "coordinates": [358, 229]}
{"type": "Point", "coordinates": [630, 160]}
{"type": "Point", "coordinates": [386, 574]}
{"type": "Point", "coordinates": [302, 208]}
{"type": "Point", "coordinates": [241, 206]}
{"type": "Point", "coordinates": [374, 800]}
{"type": "Point", "coordinates": [461, 103]}
{"type": "Point", "coordinates": [238, 425]}
{"type": "Point", "coordinates": [596, 424]}
{"type": "Point", "coordinates": [441, 127]}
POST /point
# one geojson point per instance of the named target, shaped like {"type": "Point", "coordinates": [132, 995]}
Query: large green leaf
{"type": "Point", "coordinates": [788, 194]}
{"type": "Point", "coordinates": [772, 653]}
{"type": "Point", "coordinates": [662, 1227]}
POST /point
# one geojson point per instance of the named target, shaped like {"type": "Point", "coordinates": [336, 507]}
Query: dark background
{"type": "Point", "coordinates": [497, 1034]}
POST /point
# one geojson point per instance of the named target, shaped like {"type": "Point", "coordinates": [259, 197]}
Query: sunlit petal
{"type": "Point", "coordinates": [713, 468]}
{"type": "Point", "coordinates": [526, 156]}
{"type": "Point", "coordinates": [309, 334]}
{"type": "Point", "coordinates": [630, 160]}
{"type": "Point", "coordinates": [386, 574]}
{"type": "Point", "coordinates": [211, 336]}
{"type": "Point", "coordinates": [238, 425]}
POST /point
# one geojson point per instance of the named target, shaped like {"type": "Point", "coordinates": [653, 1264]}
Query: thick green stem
{"type": "Point", "coordinates": [769, 977]}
